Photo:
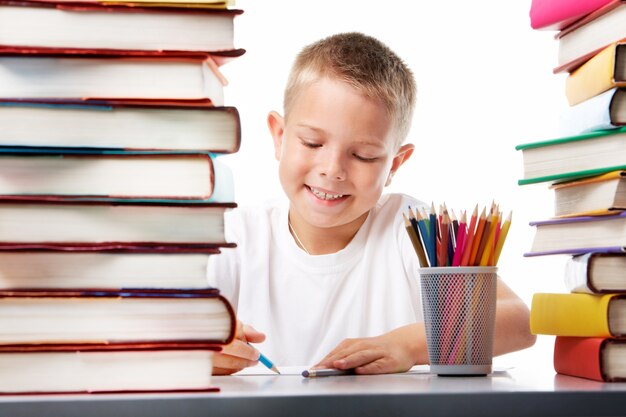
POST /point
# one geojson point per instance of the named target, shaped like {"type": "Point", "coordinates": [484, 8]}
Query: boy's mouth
{"type": "Point", "coordinates": [324, 195]}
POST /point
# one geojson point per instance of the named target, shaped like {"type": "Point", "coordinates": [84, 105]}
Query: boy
{"type": "Point", "coordinates": [335, 262]}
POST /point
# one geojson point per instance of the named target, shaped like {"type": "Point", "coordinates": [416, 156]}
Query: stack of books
{"type": "Point", "coordinates": [112, 196]}
{"type": "Point", "coordinates": [585, 168]}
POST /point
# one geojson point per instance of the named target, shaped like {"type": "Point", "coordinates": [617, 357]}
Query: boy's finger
{"type": "Point", "coordinates": [357, 360]}
{"type": "Point", "coordinates": [241, 350]}
{"type": "Point", "coordinates": [253, 335]}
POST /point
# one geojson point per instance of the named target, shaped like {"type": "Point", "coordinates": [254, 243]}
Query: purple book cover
{"type": "Point", "coordinates": [619, 215]}
{"type": "Point", "coordinates": [577, 251]}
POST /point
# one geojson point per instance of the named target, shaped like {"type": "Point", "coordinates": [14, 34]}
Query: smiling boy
{"type": "Point", "coordinates": [329, 275]}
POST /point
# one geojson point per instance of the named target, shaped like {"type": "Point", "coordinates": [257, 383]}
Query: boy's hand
{"type": "Point", "coordinates": [238, 354]}
{"type": "Point", "coordinates": [396, 351]}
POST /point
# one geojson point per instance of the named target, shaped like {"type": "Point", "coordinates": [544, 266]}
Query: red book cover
{"type": "Point", "coordinates": [582, 357]}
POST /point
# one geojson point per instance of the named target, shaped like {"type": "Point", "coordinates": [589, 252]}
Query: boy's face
{"type": "Point", "coordinates": [337, 152]}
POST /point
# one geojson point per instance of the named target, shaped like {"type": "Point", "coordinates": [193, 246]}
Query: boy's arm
{"type": "Point", "coordinates": [400, 349]}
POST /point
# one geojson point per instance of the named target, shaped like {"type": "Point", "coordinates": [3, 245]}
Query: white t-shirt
{"type": "Point", "coordinates": [307, 304]}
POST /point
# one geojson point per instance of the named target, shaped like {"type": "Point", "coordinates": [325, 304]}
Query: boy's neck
{"type": "Point", "coordinates": [323, 241]}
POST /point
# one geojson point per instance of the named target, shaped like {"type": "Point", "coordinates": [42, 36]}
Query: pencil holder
{"type": "Point", "coordinates": [459, 314]}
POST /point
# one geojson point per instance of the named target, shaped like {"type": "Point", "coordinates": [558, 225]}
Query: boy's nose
{"type": "Point", "coordinates": [332, 167]}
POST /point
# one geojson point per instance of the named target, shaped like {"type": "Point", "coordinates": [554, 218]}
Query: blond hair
{"type": "Point", "coordinates": [364, 63]}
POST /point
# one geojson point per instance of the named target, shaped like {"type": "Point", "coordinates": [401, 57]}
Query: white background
{"type": "Point", "coordinates": [485, 84]}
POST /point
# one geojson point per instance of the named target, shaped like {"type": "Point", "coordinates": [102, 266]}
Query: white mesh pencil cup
{"type": "Point", "coordinates": [459, 315]}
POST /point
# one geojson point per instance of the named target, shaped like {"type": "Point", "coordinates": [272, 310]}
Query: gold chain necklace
{"type": "Point", "coordinates": [293, 232]}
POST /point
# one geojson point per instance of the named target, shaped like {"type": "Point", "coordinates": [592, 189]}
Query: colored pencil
{"type": "Point", "coordinates": [502, 237]}
{"type": "Point", "coordinates": [417, 245]}
{"type": "Point", "coordinates": [467, 248]}
{"type": "Point", "coordinates": [460, 240]}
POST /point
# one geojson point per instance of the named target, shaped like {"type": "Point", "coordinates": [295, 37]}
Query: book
{"type": "Point", "coordinates": [596, 273]}
{"type": "Point", "coordinates": [575, 235]}
{"type": "Point", "coordinates": [571, 157]}
{"type": "Point", "coordinates": [205, 4]}
{"type": "Point", "coordinates": [604, 71]}
{"type": "Point", "coordinates": [106, 368]}
{"type": "Point", "coordinates": [602, 112]}
{"type": "Point", "coordinates": [580, 315]}
{"type": "Point", "coordinates": [558, 14]}
{"type": "Point", "coordinates": [108, 26]}
{"type": "Point", "coordinates": [597, 195]}
{"type": "Point", "coordinates": [601, 359]}
{"type": "Point", "coordinates": [115, 126]}
{"type": "Point", "coordinates": [104, 269]}
{"type": "Point", "coordinates": [51, 223]}
{"type": "Point", "coordinates": [91, 316]}
{"type": "Point", "coordinates": [110, 175]}
{"type": "Point", "coordinates": [586, 37]}
{"type": "Point", "coordinates": [109, 77]}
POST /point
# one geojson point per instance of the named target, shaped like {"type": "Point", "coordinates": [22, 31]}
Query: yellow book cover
{"type": "Point", "coordinates": [569, 314]}
{"type": "Point", "coordinates": [599, 74]}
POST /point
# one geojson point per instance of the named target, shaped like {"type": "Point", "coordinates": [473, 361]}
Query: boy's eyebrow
{"type": "Point", "coordinates": [322, 131]}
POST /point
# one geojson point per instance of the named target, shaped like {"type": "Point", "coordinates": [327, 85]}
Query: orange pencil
{"type": "Point", "coordinates": [445, 235]}
{"type": "Point", "coordinates": [482, 240]}
{"type": "Point", "coordinates": [477, 236]}
{"type": "Point", "coordinates": [467, 248]}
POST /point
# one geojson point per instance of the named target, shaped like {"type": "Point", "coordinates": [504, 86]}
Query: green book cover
{"type": "Point", "coordinates": [562, 176]}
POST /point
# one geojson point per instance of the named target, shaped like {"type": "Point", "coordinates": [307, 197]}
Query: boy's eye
{"type": "Point", "coordinates": [364, 159]}
{"type": "Point", "coordinates": [308, 144]}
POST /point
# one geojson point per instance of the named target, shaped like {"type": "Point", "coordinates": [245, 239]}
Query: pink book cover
{"type": "Point", "coordinates": [558, 14]}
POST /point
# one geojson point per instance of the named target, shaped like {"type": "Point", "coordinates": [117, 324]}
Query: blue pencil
{"type": "Point", "coordinates": [268, 363]}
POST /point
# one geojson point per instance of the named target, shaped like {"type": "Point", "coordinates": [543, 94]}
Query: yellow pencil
{"type": "Point", "coordinates": [484, 258]}
{"type": "Point", "coordinates": [503, 232]}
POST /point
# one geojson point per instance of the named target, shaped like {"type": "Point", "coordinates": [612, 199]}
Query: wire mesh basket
{"type": "Point", "coordinates": [459, 315]}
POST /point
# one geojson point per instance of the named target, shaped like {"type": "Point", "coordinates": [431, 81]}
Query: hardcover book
{"type": "Point", "coordinates": [111, 175]}
{"type": "Point", "coordinates": [602, 112]}
{"type": "Point", "coordinates": [597, 358]}
{"type": "Point", "coordinates": [590, 196]}
{"type": "Point", "coordinates": [123, 127]}
{"type": "Point", "coordinates": [571, 157]}
{"type": "Point", "coordinates": [576, 235]}
{"type": "Point", "coordinates": [122, 27]}
{"type": "Point", "coordinates": [79, 267]}
{"type": "Point", "coordinates": [75, 76]}
{"type": "Point", "coordinates": [91, 316]}
{"type": "Point", "coordinates": [558, 14]}
{"type": "Point", "coordinates": [580, 315]}
{"type": "Point", "coordinates": [106, 368]}
{"type": "Point", "coordinates": [596, 273]}
{"type": "Point", "coordinates": [586, 37]}
{"type": "Point", "coordinates": [602, 72]}
{"type": "Point", "coordinates": [102, 224]}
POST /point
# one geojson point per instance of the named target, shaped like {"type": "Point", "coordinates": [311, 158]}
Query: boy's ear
{"type": "Point", "coordinates": [276, 124]}
{"type": "Point", "coordinates": [403, 154]}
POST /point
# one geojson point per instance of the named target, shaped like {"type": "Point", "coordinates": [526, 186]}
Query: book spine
{"type": "Point", "coordinates": [581, 315]}
{"type": "Point", "coordinates": [579, 357]}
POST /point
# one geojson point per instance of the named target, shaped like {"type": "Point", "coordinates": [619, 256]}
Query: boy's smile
{"type": "Point", "coordinates": [337, 152]}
